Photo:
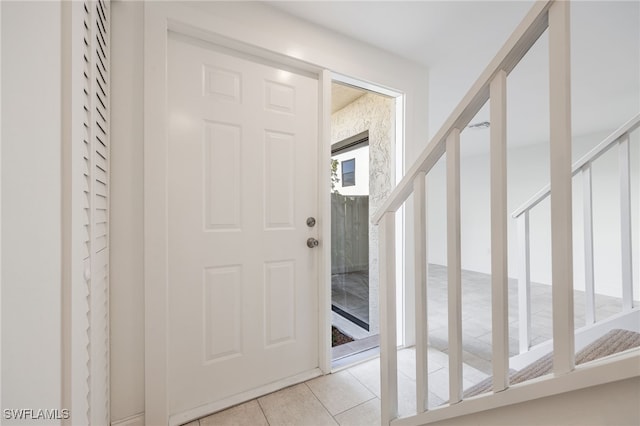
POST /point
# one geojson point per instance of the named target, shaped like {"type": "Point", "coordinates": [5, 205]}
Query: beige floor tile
{"type": "Point", "coordinates": [365, 414]}
{"type": "Point", "coordinates": [439, 384]}
{"type": "Point", "coordinates": [406, 395]}
{"type": "Point", "coordinates": [437, 360]}
{"type": "Point", "coordinates": [434, 400]}
{"type": "Point", "coordinates": [248, 413]}
{"type": "Point", "coordinates": [295, 406]}
{"type": "Point", "coordinates": [407, 362]}
{"type": "Point", "coordinates": [368, 373]}
{"type": "Point", "coordinates": [340, 391]}
{"type": "Point", "coordinates": [193, 423]}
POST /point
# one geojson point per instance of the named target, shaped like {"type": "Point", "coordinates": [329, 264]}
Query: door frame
{"type": "Point", "coordinates": [160, 19]}
{"type": "Point", "coordinates": [405, 331]}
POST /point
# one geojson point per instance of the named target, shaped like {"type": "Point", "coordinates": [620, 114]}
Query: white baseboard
{"type": "Point", "coordinates": [204, 410]}
{"type": "Point", "coordinates": [137, 420]}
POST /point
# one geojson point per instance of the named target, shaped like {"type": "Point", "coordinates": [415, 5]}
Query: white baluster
{"type": "Point", "coordinates": [524, 282]}
{"type": "Point", "coordinates": [589, 284]}
{"type": "Point", "coordinates": [625, 223]}
{"type": "Point", "coordinates": [388, 339]}
{"type": "Point", "coordinates": [499, 249]}
{"type": "Point", "coordinates": [420, 230]}
{"type": "Point", "coordinates": [454, 266]}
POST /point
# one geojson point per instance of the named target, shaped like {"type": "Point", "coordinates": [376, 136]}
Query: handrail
{"type": "Point", "coordinates": [522, 39]}
{"type": "Point", "coordinates": [589, 157]}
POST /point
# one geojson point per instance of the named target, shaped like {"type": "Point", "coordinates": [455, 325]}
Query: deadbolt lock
{"type": "Point", "coordinates": [311, 222]}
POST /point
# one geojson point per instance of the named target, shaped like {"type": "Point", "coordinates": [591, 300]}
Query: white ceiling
{"type": "Point", "coordinates": [457, 39]}
{"type": "Point", "coordinates": [423, 31]}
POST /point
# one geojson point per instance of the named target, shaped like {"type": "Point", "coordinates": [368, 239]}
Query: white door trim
{"type": "Point", "coordinates": [1, 206]}
{"type": "Point", "coordinates": [160, 18]}
{"type": "Point", "coordinates": [324, 210]}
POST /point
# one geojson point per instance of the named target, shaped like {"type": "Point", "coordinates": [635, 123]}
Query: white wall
{"type": "Point", "coordinates": [603, 33]}
{"type": "Point", "coordinates": [31, 206]}
{"type": "Point", "coordinates": [528, 172]}
{"type": "Point", "coordinates": [361, 157]}
{"type": "Point", "coordinates": [599, 107]}
{"type": "Point", "coordinates": [252, 23]}
{"type": "Point", "coordinates": [610, 404]}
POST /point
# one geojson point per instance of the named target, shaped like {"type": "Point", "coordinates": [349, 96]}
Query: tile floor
{"type": "Point", "coordinates": [476, 313]}
{"type": "Point", "coordinates": [350, 397]}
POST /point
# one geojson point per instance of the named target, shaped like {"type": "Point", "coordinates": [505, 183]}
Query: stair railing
{"type": "Point", "coordinates": [554, 16]}
{"type": "Point", "coordinates": [619, 138]}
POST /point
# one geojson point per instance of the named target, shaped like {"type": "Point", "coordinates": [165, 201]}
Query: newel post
{"type": "Point", "coordinates": [499, 248]}
{"type": "Point", "coordinates": [561, 190]}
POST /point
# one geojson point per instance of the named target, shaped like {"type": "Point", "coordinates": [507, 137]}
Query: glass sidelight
{"type": "Point", "coordinates": [350, 242]}
{"type": "Point", "coordinates": [350, 288]}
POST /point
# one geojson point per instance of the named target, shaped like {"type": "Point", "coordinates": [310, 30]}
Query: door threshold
{"type": "Point", "coordinates": [354, 358]}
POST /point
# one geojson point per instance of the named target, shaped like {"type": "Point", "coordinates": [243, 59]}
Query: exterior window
{"type": "Point", "coordinates": [349, 172]}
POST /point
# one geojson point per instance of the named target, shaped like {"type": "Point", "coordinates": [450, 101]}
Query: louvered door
{"type": "Point", "coordinates": [90, 152]}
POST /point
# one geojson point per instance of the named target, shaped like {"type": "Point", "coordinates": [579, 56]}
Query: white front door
{"type": "Point", "coordinates": [242, 181]}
